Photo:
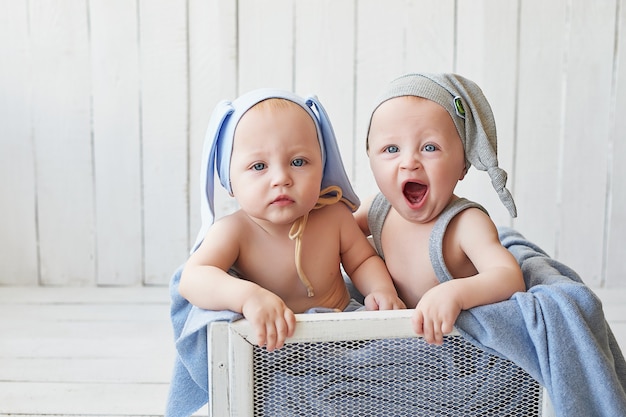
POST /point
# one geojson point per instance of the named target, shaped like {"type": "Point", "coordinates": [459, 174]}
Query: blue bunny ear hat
{"type": "Point", "coordinates": [218, 147]}
{"type": "Point", "coordinates": [471, 113]}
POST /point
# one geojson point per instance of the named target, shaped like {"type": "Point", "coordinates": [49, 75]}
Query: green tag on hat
{"type": "Point", "coordinates": [458, 106]}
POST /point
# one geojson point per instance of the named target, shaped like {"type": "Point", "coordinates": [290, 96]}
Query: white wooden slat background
{"type": "Point", "coordinates": [104, 103]}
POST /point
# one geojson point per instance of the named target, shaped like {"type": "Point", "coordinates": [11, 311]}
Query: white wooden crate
{"type": "Point", "coordinates": [363, 364]}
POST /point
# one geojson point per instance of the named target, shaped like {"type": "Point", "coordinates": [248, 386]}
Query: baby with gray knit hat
{"type": "Point", "coordinates": [442, 251]}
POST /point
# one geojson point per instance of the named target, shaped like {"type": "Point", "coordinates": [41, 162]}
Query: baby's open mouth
{"type": "Point", "coordinates": [414, 192]}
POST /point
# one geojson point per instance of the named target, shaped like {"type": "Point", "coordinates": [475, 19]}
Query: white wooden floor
{"type": "Point", "coordinates": [108, 351]}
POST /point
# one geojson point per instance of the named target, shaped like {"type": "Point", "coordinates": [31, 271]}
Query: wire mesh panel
{"type": "Point", "coordinates": [364, 364]}
{"type": "Point", "coordinates": [390, 377]}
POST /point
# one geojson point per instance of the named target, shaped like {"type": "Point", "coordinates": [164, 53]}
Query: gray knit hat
{"type": "Point", "coordinates": [471, 114]}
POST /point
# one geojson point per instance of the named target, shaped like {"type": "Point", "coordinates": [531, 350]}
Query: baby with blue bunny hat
{"type": "Point", "coordinates": [281, 253]}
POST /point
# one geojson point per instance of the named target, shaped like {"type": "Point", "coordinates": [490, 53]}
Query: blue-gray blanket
{"type": "Point", "coordinates": [556, 331]}
{"type": "Point", "coordinates": [190, 377]}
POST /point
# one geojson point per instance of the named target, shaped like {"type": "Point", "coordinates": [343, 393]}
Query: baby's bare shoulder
{"type": "Point", "coordinates": [474, 220]}
{"type": "Point", "coordinates": [473, 228]}
{"type": "Point", "coordinates": [229, 221]}
{"type": "Point", "coordinates": [232, 225]}
{"type": "Point", "coordinates": [337, 209]}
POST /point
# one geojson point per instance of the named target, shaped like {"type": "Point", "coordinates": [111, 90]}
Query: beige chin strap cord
{"type": "Point", "coordinates": [297, 229]}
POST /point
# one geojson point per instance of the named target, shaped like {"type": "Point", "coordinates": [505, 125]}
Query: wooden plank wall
{"type": "Point", "coordinates": [104, 103]}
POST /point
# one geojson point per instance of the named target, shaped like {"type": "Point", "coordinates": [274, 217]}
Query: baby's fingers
{"type": "Point", "coordinates": [371, 304]}
{"type": "Point", "coordinates": [277, 331]}
{"type": "Point", "coordinates": [429, 329]}
{"type": "Point", "coordinates": [279, 335]}
{"type": "Point", "coordinates": [398, 304]}
{"type": "Point", "coordinates": [390, 304]}
{"type": "Point", "coordinates": [383, 302]}
{"type": "Point", "coordinates": [261, 333]}
{"type": "Point", "coordinates": [290, 320]}
{"type": "Point", "coordinates": [271, 336]}
{"type": "Point", "coordinates": [436, 336]}
{"type": "Point", "coordinates": [417, 321]}
{"type": "Point", "coordinates": [266, 333]}
{"type": "Point", "coordinates": [447, 327]}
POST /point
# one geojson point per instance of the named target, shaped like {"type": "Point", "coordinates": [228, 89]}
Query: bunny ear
{"type": "Point", "coordinates": [334, 171]}
{"type": "Point", "coordinates": [212, 142]}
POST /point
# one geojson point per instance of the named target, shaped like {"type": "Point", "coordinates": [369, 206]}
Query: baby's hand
{"type": "Point", "coordinates": [381, 300]}
{"type": "Point", "coordinates": [271, 318]}
{"type": "Point", "coordinates": [435, 314]}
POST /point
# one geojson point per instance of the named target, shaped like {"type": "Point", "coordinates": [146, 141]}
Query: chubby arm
{"type": "Point", "coordinates": [366, 269]}
{"type": "Point", "coordinates": [498, 277]}
{"type": "Point", "coordinates": [206, 284]}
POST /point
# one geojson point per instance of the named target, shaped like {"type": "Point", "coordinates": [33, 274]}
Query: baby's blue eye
{"type": "Point", "coordinates": [298, 162]}
{"type": "Point", "coordinates": [259, 166]}
{"type": "Point", "coordinates": [392, 149]}
{"type": "Point", "coordinates": [430, 148]}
